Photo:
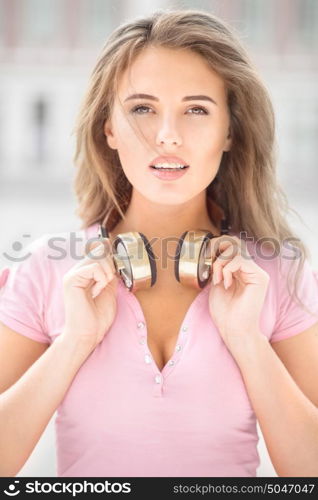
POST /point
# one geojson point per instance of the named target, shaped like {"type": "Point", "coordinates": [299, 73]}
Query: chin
{"type": "Point", "coordinates": [169, 197]}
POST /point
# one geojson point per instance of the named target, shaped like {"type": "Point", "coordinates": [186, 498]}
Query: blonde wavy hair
{"type": "Point", "coordinates": [245, 187]}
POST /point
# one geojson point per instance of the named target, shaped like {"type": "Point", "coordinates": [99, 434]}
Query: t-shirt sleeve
{"type": "Point", "coordinates": [292, 318]}
{"type": "Point", "coordinates": [23, 292]}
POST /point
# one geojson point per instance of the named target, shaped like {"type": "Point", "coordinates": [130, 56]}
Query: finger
{"type": "Point", "coordinates": [229, 269]}
{"type": "Point", "coordinates": [221, 261]}
{"type": "Point", "coordinates": [98, 244]}
{"type": "Point", "coordinates": [102, 251]}
{"type": "Point", "coordinates": [99, 252]}
{"type": "Point", "coordinates": [96, 251]}
{"type": "Point", "coordinates": [98, 287]}
{"type": "Point", "coordinates": [221, 243]}
{"type": "Point", "coordinates": [86, 278]}
{"type": "Point", "coordinates": [100, 280]}
{"type": "Point", "coordinates": [249, 272]}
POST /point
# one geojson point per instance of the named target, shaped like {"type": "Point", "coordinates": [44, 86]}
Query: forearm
{"type": "Point", "coordinates": [287, 418]}
{"type": "Point", "coordinates": [28, 405]}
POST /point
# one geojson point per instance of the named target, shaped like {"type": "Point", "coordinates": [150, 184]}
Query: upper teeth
{"type": "Point", "coordinates": [169, 165]}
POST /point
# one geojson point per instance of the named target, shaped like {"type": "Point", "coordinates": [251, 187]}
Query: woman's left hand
{"type": "Point", "coordinates": [236, 309]}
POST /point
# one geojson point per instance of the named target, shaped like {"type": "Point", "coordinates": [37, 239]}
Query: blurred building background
{"type": "Point", "coordinates": [47, 51]}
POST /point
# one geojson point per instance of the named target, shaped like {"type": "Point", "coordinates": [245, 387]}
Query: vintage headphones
{"type": "Point", "coordinates": [135, 261]}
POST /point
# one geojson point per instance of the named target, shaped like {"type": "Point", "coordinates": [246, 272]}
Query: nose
{"type": "Point", "coordinates": [168, 134]}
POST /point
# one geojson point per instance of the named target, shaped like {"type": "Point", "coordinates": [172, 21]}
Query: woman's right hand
{"type": "Point", "coordinates": [89, 291]}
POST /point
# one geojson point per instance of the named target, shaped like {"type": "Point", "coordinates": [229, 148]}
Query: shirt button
{"type": "Point", "coordinates": [185, 328]}
{"type": "Point", "coordinates": [142, 340]}
{"type": "Point", "coordinates": [141, 324]}
{"type": "Point", "coordinates": [178, 347]}
{"type": "Point", "coordinates": [158, 379]}
{"type": "Point", "coordinates": [171, 362]}
{"type": "Point", "coordinates": [147, 359]}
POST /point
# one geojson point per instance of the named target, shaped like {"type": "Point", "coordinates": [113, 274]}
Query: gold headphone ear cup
{"type": "Point", "coordinates": [135, 260]}
{"type": "Point", "coordinates": [190, 259]}
{"type": "Point", "coordinates": [121, 254]}
{"type": "Point", "coordinates": [177, 256]}
{"type": "Point", "coordinates": [204, 271]}
{"type": "Point", "coordinates": [152, 259]}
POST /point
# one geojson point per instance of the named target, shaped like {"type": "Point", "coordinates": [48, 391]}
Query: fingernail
{"type": "Point", "coordinates": [97, 251]}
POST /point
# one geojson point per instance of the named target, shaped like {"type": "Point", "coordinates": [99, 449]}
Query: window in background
{"type": "Point", "coordinates": [40, 122]}
{"type": "Point", "coordinates": [214, 6]}
{"type": "Point", "coordinates": [41, 21]}
{"type": "Point", "coordinates": [307, 20]}
{"type": "Point", "coordinates": [303, 138]}
{"type": "Point", "coordinates": [98, 19]}
{"type": "Point", "coordinates": [2, 26]}
{"type": "Point", "coordinates": [258, 23]}
{"type": "Point", "coordinates": [2, 122]}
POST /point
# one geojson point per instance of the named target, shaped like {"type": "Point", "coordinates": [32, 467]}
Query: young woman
{"type": "Point", "coordinates": [168, 379]}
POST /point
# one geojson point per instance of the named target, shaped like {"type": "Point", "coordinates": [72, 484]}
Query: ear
{"type": "Point", "coordinates": [108, 132]}
{"type": "Point", "coordinates": [228, 142]}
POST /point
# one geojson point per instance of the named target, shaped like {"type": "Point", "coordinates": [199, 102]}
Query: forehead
{"type": "Point", "coordinates": [161, 68]}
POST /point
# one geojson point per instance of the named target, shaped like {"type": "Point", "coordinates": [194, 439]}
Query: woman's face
{"type": "Point", "coordinates": [183, 115]}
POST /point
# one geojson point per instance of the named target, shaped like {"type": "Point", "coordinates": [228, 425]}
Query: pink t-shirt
{"type": "Point", "coordinates": [121, 416]}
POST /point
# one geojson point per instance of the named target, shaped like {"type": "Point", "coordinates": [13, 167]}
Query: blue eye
{"type": "Point", "coordinates": [143, 110]}
{"type": "Point", "coordinates": [136, 110]}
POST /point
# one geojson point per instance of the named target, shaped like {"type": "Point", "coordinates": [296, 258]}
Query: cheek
{"type": "Point", "coordinates": [133, 138]}
{"type": "Point", "coordinates": [135, 173]}
{"type": "Point", "coordinates": [209, 137]}
{"type": "Point", "coordinates": [125, 132]}
{"type": "Point", "coordinates": [207, 171]}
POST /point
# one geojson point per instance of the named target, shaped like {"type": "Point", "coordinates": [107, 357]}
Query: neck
{"type": "Point", "coordinates": [158, 221]}
{"type": "Point", "coordinates": [163, 225]}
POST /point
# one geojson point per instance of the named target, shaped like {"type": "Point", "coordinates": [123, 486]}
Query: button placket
{"type": "Point", "coordinates": [157, 391]}
{"type": "Point", "coordinates": [141, 331]}
{"type": "Point", "coordinates": [159, 376]}
{"type": "Point", "coordinates": [181, 341]}
{"type": "Point", "coordinates": [143, 342]}
{"type": "Point", "coordinates": [148, 359]}
{"type": "Point", "coordinates": [182, 338]}
{"type": "Point", "coordinates": [183, 334]}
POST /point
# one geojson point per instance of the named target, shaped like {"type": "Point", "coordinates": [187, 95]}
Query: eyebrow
{"type": "Point", "coordinates": [186, 98]}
